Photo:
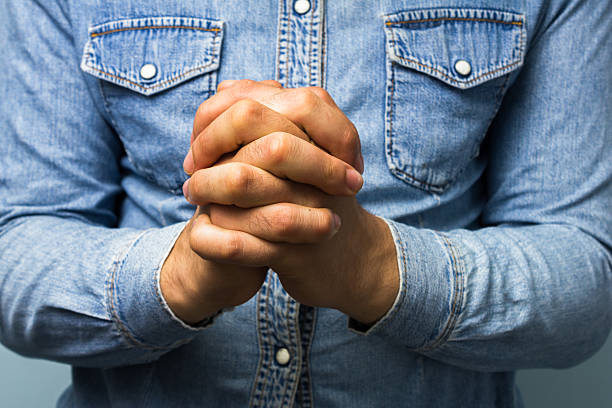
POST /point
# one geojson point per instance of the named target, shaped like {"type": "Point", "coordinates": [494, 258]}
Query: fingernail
{"type": "Point", "coordinates": [188, 163]}
{"type": "Point", "coordinates": [354, 181]}
{"type": "Point", "coordinates": [186, 190]}
{"type": "Point", "coordinates": [337, 222]}
{"type": "Point", "coordinates": [360, 165]}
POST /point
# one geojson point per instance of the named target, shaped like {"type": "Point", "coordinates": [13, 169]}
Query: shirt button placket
{"type": "Point", "coordinates": [299, 64]}
{"type": "Point", "coordinates": [278, 374]}
{"type": "Point", "coordinates": [300, 49]}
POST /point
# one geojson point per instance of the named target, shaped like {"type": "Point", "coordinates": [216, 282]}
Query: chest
{"type": "Point", "coordinates": [422, 82]}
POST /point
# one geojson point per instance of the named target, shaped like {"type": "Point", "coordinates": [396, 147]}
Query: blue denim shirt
{"type": "Point", "coordinates": [487, 135]}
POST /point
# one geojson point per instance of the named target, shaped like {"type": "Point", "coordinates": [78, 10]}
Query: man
{"type": "Point", "coordinates": [479, 242]}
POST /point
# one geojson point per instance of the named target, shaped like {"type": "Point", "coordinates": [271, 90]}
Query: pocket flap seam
{"type": "Point", "coordinates": [115, 51]}
{"type": "Point", "coordinates": [431, 40]}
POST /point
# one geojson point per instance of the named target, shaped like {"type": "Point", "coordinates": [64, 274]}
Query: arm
{"type": "Point", "coordinates": [532, 287]}
{"type": "Point", "coordinates": [73, 287]}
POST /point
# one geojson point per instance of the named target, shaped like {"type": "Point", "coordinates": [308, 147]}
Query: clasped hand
{"type": "Point", "coordinates": [274, 173]}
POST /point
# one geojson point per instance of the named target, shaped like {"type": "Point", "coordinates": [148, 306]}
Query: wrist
{"type": "Point", "coordinates": [378, 271]}
{"type": "Point", "coordinates": [179, 288]}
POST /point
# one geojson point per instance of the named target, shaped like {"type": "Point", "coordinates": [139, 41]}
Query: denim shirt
{"type": "Point", "coordinates": [486, 131]}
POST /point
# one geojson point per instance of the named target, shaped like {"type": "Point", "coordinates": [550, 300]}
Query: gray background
{"type": "Point", "coordinates": [34, 383]}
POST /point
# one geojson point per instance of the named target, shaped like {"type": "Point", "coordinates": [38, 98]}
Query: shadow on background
{"type": "Point", "coordinates": [35, 383]}
{"type": "Point", "coordinates": [26, 382]}
{"type": "Point", "coordinates": [588, 385]}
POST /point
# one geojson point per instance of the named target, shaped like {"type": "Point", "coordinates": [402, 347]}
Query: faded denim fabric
{"type": "Point", "coordinates": [496, 182]}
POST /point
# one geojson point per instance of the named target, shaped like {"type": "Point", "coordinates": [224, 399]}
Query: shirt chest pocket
{"type": "Point", "coordinates": [154, 72]}
{"type": "Point", "coordinates": [446, 74]}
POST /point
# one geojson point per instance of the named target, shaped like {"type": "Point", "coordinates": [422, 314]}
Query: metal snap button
{"type": "Point", "coordinates": [301, 6]}
{"type": "Point", "coordinates": [463, 67]}
{"type": "Point", "coordinates": [283, 356]}
{"type": "Point", "coordinates": [148, 71]}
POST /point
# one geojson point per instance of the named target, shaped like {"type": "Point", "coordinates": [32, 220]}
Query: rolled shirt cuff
{"type": "Point", "coordinates": [137, 305]}
{"type": "Point", "coordinates": [431, 291]}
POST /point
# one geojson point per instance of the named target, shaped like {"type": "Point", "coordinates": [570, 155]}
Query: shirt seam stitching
{"type": "Point", "coordinates": [458, 296]}
{"type": "Point", "coordinates": [451, 79]}
{"type": "Point", "coordinates": [116, 30]}
{"type": "Point", "coordinates": [149, 88]}
{"type": "Point", "coordinates": [253, 398]}
{"type": "Point", "coordinates": [395, 169]}
{"type": "Point", "coordinates": [111, 293]}
{"type": "Point", "coordinates": [427, 20]}
{"type": "Point", "coordinates": [310, 339]}
{"type": "Point", "coordinates": [169, 80]}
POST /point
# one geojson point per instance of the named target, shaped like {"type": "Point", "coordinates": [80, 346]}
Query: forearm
{"type": "Point", "coordinates": [532, 287]}
{"type": "Point", "coordinates": [501, 298]}
{"type": "Point", "coordinates": [85, 295]}
{"type": "Point", "coordinates": [196, 289]}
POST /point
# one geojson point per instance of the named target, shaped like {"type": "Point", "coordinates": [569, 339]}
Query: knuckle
{"type": "Point", "coordinates": [285, 221]}
{"type": "Point", "coordinates": [278, 147]}
{"type": "Point", "coordinates": [321, 93]}
{"type": "Point", "coordinates": [232, 248]}
{"type": "Point", "coordinates": [200, 226]}
{"type": "Point", "coordinates": [239, 180]}
{"type": "Point", "coordinates": [306, 98]}
{"type": "Point", "coordinates": [244, 85]}
{"type": "Point", "coordinates": [244, 113]}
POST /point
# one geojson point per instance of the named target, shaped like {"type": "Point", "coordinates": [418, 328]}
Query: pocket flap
{"type": "Point", "coordinates": [461, 47]}
{"type": "Point", "coordinates": [150, 55]}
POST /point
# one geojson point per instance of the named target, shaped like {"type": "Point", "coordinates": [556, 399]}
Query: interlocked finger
{"type": "Point", "coordinates": [221, 245]}
{"type": "Point", "coordinates": [310, 109]}
{"type": "Point", "coordinates": [243, 185]}
{"type": "Point", "coordinates": [287, 156]}
{"type": "Point", "coordinates": [240, 124]}
{"type": "Point", "coordinates": [283, 222]}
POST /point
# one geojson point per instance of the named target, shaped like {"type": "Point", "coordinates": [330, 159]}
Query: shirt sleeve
{"type": "Point", "coordinates": [73, 287]}
{"type": "Point", "coordinates": [532, 287]}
